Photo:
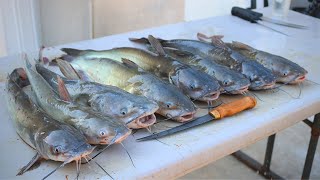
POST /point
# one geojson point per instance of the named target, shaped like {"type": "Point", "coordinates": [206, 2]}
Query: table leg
{"type": "Point", "coordinates": [264, 169]}
{"type": "Point", "coordinates": [315, 132]}
{"type": "Point", "coordinates": [267, 158]}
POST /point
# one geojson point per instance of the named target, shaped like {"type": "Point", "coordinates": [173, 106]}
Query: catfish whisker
{"type": "Point", "coordinates": [162, 142]}
{"type": "Point", "coordinates": [86, 160]}
{"type": "Point", "coordinates": [286, 83]}
{"type": "Point", "coordinates": [149, 129]}
{"type": "Point", "coordinates": [209, 106]}
{"type": "Point", "coordinates": [312, 81]}
{"type": "Point", "coordinates": [167, 118]}
{"type": "Point", "coordinates": [252, 93]}
{"type": "Point", "coordinates": [288, 94]}
{"type": "Point", "coordinates": [300, 89]}
{"type": "Point", "coordinates": [111, 143]}
{"type": "Point", "coordinates": [91, 159]}
{"type": "Point", "coordinates": [63, 164]}
{"type": "Point", "coordinates": [89, 164]}
{"type": "Point", "coordinates": [166, 126]}
{"type": "Point", "coordinates": [128, 154]}
{"type": "Point", "coordinates": [78, 162]}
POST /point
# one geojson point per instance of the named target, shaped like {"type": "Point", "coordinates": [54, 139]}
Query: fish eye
{"type": "Point", "coordinates": [102, 133]}
{"type": "Point", "coordinates": [226, 82]}
{"type": "Point", "coordinates": [123, 111]}
{"type": "Point", "coordinates": [252, 78]}
{"type": "Point", "coordinates": [285, 74]}
{"type": "Point", "coordinates": [169, 105]}
{"type": "Point", "coordinates": [192, 86]}
{"type": "Point", "coordinates": [57, 150]}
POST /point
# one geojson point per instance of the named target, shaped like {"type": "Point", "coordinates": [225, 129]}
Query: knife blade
{"type": "Point", "coordinates": [279, 22]}
{"type": "Point", "coordinates": [254, 17]}
{"type": "Point", "coordinates": [222, 111]}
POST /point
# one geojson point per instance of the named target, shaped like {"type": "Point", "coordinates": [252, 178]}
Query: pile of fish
{"type": "Point", "coordinates": [105, 94]}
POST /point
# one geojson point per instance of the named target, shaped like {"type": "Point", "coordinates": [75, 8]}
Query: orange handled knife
{"type": "Point", "coordinates": [222, 111]}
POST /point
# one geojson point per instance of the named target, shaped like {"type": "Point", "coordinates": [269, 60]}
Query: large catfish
{"type": "Point", "coordinates": [128, 76]}
{"type": "Point", "coordinates": [192, 82]}
{"type": "Point", "coordinates": [97, 129]}
{"type": "Point", "coordinates": [51, 139]}
{"type": "Point", "coordinates": [135, 111]}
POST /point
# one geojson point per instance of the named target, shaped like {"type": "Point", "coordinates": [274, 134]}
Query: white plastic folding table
{"type": "Point", "coordinates": [179, 154]}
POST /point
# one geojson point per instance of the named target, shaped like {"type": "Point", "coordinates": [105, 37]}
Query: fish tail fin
{"type": "Point", "coordinates": [73, 52]}
{"type": "Point", "coordinates": [215, 40]}
{"type": "Point", "coordinates": [203, 37]}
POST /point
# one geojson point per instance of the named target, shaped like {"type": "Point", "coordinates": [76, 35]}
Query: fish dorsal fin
{"type": "Point", "coordinates": [156, 45]}
{"type": "Point", "coordinates": [139, 40]}
{"type": "Point", "coordinates": [63, 92]}
{"type": "Point", "coordinates": [130, 64]}
{"type": "Point", "coordinates": [243, 46]}
{"type": "Point", "coordinates": [68, 70]}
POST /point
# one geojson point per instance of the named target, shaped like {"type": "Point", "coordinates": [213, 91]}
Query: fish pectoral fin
{"type": "Point", "coordinates": [156, 45]}
{"type": "Point", "coordinates": [67, 69]}
{"type": "Point", "coordinates": [63, 92]}
{"type": "Point", "coordinates": [128, 63]}
{"type": "Point", "coordinates": [30, 164]}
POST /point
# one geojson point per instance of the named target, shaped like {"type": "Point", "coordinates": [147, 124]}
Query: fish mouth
{"type": "Point", "coordinates": [240, 90]}
{"type": "Point", "coordinates": [243, 89]}
{"type": "Point", "coordinates": [143, 121]}
{"type": "Point", "coordinates": [123, 137]}
{"type": "Point", "coordinates": [298, 80]}
{"type": "Point", "coordinates": [186, 117]}
{"type": "Point", "coordinates": [104, 141]}
{"type": "Point", "coordinates": [264, 87]}
{"type": "Point", "coordinates": [269, 86]}
{"type": "Point", "coordinates": [80, 155]}
{"type": "Point", "coordinates": [146, 120]}
{"type": "Point", "coordinates": [211, 96]}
